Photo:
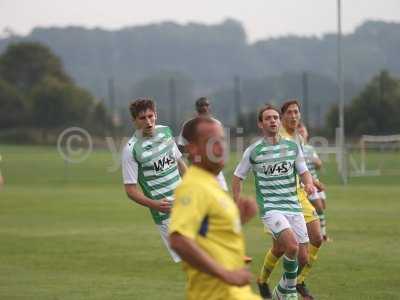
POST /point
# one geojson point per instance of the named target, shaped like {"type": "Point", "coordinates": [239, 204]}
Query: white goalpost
{"type": "Point", "coordinates": [374, 142]}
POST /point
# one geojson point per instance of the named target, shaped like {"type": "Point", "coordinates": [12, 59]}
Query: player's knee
{"type": "Point", "coordinates": [316, 240]}
{"type": "Point", "coordinates": [277, 251]}
{"type": "Point", "coordinates": [303, 258]}
{"type": "Point", "coordinates": [292, 249]}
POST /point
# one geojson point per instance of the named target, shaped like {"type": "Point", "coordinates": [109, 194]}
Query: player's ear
{"type": "Point", "coordinates": [155, 115]}
{"type": "Point", "coordinates": [259, 125]}
{"type": "Point", "coordinates": [192, 150]}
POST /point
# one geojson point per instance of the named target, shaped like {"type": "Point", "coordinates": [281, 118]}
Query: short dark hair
{"type": "Point", "coordinates": [141, 104]}
{"type": "Point", "coordinates": [287, 103]}
{"type": "Point", "coordinates": [189, 131]}
{"type": "Point", "coordinates": [264, 108]}
{"type": "Point", "coordinates": [201, 101]}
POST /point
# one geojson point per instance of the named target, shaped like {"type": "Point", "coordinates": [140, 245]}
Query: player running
{"type": "Point", "coordinates": [205, 224]}
{"type": "Point", "coordinates": [314, 163]}
{"type": "Point", "coordinates": [276, 162]}
{"type": "Point", "coordinates": [290, 113]}
{"type": "Point", "coordinates": [151, 159]}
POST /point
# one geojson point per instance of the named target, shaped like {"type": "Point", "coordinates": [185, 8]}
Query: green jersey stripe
{"type": "Point", "coordinates": [152, 175]}
{"type": "Point", "coordinates": [163, 179]}
{"type": "Point", "coordinates": [167, 183]}
{"type": "Point", "coordinates": [165, 190]}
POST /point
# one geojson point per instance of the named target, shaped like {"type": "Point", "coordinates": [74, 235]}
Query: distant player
{"type": "Point", "coordinates": [151, 160]}
{"type": "Point", "coordinates": [314, 163]}
{"type": "Point", "coordinates": [203, 109]}
{"type": "Point", "coordinates": [276, 162]}
{"type": "Point", "coordinates": [205, 228]}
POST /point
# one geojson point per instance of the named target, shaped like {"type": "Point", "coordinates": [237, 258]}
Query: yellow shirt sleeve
{"type": "Point", "coordinates": [188, 212]}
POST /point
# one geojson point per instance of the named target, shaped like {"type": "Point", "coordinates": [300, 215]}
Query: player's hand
{"type": "Point", "coordinates": [310, 189]}
{"type": "Point", "coordinates": [164, 205]}
{"type": "Point", "coordinates": [319, 185]}
{"type": "Point", "coordinates": [238, 277]}
{"type": "Point", "coordinates": [247, 208]}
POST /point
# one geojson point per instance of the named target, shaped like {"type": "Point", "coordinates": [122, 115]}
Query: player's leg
{"type": "Point", "coordinates": [314, 233]}
{"type": "Point", "coordinates": [286, 288]}
{"type": "Point", "coordinates": [316, 201]}
{"type": "Point", "coordinates": [325, 237]}
{"type": "Point", "coordinates": [281, 230]}
{"type": "Point", "coordinates": [270, 260]}
{"type": "Point", "coordinates": [163, 229]}
{"type": "Point", "coordinates": [313, 229]}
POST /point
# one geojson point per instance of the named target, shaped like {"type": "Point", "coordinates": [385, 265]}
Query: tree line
{"type": "Point", "coordinates": [36, 92]}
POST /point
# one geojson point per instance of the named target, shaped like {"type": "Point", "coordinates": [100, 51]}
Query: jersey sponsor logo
{"type": "Point", "coordinates": [278, 169]}
{"type": "Point", "coordinates": [164, 163]}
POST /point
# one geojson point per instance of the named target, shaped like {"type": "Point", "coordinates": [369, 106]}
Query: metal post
{"type": "Point", "coordinates": [238, 100]}
{"type": "Point", "coordinates": [305, 99]}
{"type": "Point", "coordinates": [343, 171]}
{"type": "Point", "coordinates": [173, 108]}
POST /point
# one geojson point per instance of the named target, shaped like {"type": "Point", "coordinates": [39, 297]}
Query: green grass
{"type": "Point", "coordinates": [69, 232]}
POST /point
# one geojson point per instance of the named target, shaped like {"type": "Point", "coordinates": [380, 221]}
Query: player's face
{"type": "Point", "coordinates": [291, 117]}
{"type": "Point", "coordinates": [211, 147]}
{"type": "Point", "coordinates": [204, 109]}
{"type": "Point", "coordinates": [146, 122]}
{"type": "Point", "coordinates": [270, 122]}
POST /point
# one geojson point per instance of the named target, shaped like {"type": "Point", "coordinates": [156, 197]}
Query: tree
{"type": "Point", "coordinates": [26, 64]}
{"type": "Point", "coordinates": [13, 107]}
{"type": "Point", "coordinates": [57, 104]}
{"type": "Point", "coordinates": [374, 111]}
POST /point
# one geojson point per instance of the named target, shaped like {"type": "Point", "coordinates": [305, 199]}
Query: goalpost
{"type": "Point", "coordinates": [382, 143]}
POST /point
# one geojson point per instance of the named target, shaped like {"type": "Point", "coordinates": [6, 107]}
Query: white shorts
{"type": "Point", "coordinates": [318, 195]}
{"type": "Point", "coordinates": [276, 222]}
{"type": "Point", "coordinates": [163, 229]}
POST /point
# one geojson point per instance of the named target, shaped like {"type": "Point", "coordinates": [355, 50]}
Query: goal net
{"type": "Point", "coordinates": [378, 155]}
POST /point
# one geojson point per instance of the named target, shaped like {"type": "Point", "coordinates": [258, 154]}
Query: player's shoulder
{"type": "Point", "coordinates": [288, 142]}
{"type": "Point", "coordinates": [255, 146]}
{"type": "Point", "coordinates": [130, 144]}
{"type": "Point", "coordinates": [163, 129]}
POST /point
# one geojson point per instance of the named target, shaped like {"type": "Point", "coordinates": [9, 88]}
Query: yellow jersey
{"type": "Point", "coordinates": [309, 212]}
{"type": "Point", "coordinates": [205, 213]}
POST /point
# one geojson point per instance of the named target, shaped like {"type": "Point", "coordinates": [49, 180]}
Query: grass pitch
{"type": "Point", "coordinates": [69, 232]}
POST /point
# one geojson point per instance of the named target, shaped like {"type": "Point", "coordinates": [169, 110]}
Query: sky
{"type": "Point", "coordinates": [260, 18]}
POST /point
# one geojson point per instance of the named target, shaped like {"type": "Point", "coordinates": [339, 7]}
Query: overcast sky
{"type": "Point", "coordinates": [261, 18]}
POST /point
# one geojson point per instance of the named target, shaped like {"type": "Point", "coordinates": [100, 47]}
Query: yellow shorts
{"type": "Point", "coordinates": [309, 212]}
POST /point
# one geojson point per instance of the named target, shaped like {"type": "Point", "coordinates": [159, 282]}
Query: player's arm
{"type": "Point", "coordinates": [305, 175]}
{"type": "Point", "coordinates": [130, 178]}
{"type": "Point", "coordinates": [135, 194]}
{"type": "Point", "coordinates": [318, 184]}
{"type": "Point", "coordinates": [316, 160]}
{"type": "Point", "coordinates": [181, 163]}
{"type": "Point", "coordinates": [237, 187]}
{"type": "Point", "coordinates": [191, 209]}
{"type": "Point", "coordinates": [181, 166]}
{"type": "Point", "coordinates": [191, 253]}
{"type": "Point", "coordinates": [247, 206]}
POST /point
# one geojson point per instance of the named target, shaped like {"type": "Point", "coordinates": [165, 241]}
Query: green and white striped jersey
{"type": "Point", "coordinates": [275, 167]}
{"type": "Point", "coordinates": [152, 162]}
{"type": "Point", "coordinates": [310, 154]}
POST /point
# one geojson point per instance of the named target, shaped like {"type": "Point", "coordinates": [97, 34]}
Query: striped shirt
{"type": "Point", "coordinates": [275, 167]}
{"type": "Point", "coordinates": [310, 154]}
{"type": "Point", "coordinates": [153, 163]}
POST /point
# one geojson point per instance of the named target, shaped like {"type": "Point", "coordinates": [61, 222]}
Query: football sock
{"type": "Point", "coordinates": [270, 261]}
{"type": "Point", "coordinates": [287, 284]}
{"type": "Point", "coordinates": [322, 221]}
{"type": "Point", "coordinates": [312, 257]}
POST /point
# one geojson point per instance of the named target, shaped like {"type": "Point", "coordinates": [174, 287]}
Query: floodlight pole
{"type": "Point", "coordinates": [343, 161]}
